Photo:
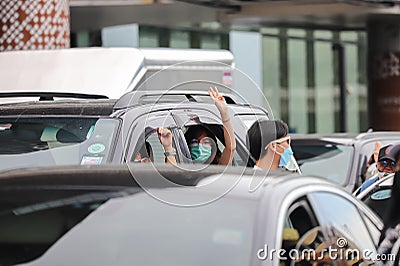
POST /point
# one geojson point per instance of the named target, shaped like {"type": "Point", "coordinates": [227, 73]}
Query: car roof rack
{"type": "Point", "coordinates": [49, 96]}
{"type": "Point", "coordinates": [135, 98]}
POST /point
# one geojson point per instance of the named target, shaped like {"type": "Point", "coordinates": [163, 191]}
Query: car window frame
{"type": "Point", "coordinates": [138, 126]}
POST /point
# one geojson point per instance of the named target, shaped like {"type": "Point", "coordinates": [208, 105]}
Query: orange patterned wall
{"type": "Point", "coordinates": [34, 24]}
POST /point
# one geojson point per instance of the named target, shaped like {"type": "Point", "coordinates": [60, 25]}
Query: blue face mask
{"type": "Point", "coordinates": [286, 156]}
{"type": "Point", "coordinates": [200, 153]}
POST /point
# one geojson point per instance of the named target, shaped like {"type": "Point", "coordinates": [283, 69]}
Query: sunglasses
{"type": "Point", "coordinates": [286, 139]}
{"type": "Point", "coordinates": [387, 163]}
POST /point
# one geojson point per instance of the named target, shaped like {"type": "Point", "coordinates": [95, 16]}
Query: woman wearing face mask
{"type": "Point", "coordinates": [203, 143]}
{"type": "Point", "coordinates": [269, 145]}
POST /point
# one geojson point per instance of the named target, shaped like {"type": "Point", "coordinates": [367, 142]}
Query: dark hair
{"type": "Point", "coordinates": [263, 132]}
{"type": "Point", "coordinates": [196, 130]}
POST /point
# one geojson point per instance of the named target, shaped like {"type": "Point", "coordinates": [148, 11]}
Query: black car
{"type": "Point", "coordinates": [94, 130]}
{"type": "Point", "coordinates": [99, 216]}
{"type": "Point", "coordinates": [377, 195]}
{"type": "Point", "coordinates": [341, 158]}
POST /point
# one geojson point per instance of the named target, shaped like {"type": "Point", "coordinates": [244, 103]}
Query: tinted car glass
{"type": "Point", "coordinates": [30, 225]}
{"type": "Point", "coordinates": [39, 141]}
{"type": "Point", "coordinates": [140, 230]}
{"type": "Point", "coordinates": [26, 135]}
{"type": "Point", "coordinates": [342, 217]}
{"type": "Point", "coordinates": [378, 200]}
{"type": "Point", "coordinates": [331, 161]}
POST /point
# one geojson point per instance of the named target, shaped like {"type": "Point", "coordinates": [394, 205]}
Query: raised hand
{"type": "Point", "coordinates": [165, 136]}
{"type": "Point", "coordinates": [378, 146]}
{"type": "Point", "coordinates": [219, 100]}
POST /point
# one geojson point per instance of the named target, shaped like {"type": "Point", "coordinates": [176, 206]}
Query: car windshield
{"type": "Point", "coordinates": [328, 160]}
{"type": "Point", "coordinates": [44, 141]}
{"type": "Point", "coordinates": [140, 230]}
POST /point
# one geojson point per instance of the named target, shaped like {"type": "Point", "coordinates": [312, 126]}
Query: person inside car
{"type": "Point", "coordinates": [202, 142]}
{"type": "Point", "coordinates": [371, 167]}
{"type": "Point", "coordinates": [269, 144]}
{"type": "Point", "coordinates": [386, 164]}
{"type": "Point", "coordinates": [145, 153]}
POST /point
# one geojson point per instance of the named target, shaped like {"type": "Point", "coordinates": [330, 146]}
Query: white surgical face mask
{"type": "Point", "coordinates": [382, 174]}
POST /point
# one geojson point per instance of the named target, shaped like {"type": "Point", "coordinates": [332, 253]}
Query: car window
{"type": "Point", "coordinates": [240, 155]}
{"type": "Point", "coordinates": [29, 142]}
{"type": "Point", "coordinates": [27, 135]}
{"type": "Point", "coordinates": [144, 129]}
{"type": "Point", "coordinates": [153, 146]}
{"type": "Point", "coordinates": [342, 220]}
{"type": "Point", "coordinates": [366, 150]}
{"type": "Point", "coordinates": [301, 232]}
{"type": "Point", "coordinates": [330, 161]}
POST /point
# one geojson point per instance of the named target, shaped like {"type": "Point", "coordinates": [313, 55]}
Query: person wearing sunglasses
{"type": "Point", "coordinates": [203, 143]}
{"type": "Point", "coordinates": [269, 145]}
{"type": "Point", "coordinates": [386, 164]}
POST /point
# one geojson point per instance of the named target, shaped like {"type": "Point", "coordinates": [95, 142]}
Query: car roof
{"type": "Point", "coordinates": [178, 98]}
{"type": "Point", "coordinates": [157, 100]}
{"type": "Point", "coordinates": [101, 107]}
{"type": "Point", "coordinates": [132, 175]}
{"type": "Point", "coordinates": [343, 138]}
{"type": "Point", "coordinates": [318, 139]}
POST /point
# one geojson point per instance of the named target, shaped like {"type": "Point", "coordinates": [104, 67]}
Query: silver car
{"type": "Point", "coordinates": [104, 216]}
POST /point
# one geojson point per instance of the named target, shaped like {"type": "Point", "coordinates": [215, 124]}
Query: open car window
{"type": "Point", "coordinates": [240, 157]}
{"type": "Point", "coordinates": [149, 148]}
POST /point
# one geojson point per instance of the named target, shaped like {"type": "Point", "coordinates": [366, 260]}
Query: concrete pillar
{"type": "Point", "coordinates": [120, 36]}
{"type": "Point", "coordinates": [247, 50]}
{"type": "Point", "coordinates": [34, 25]}
{"type": "Point", "coordinates": [384, 73]}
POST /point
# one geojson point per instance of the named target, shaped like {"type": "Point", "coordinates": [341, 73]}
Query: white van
{"type": "Point", "coordinates": [111, 71]}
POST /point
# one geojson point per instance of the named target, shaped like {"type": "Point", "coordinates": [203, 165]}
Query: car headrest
{"type": "Point", "coordinates": [66, 136]}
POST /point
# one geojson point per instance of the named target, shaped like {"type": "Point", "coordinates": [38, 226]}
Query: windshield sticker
{"type": "Point", "coordinates": [381, 195]}
{"type": "Point", "coordinates": [91, 129]}
{"type": "Point", "coordinates": [96, 148]}
{"type": "Point", "coordinates": [91, 160]}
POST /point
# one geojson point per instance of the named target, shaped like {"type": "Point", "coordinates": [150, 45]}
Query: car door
{"type": "Point", "coordinates": [345, 224]}
{"type": "Point", "coordinates": [324, 227]}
